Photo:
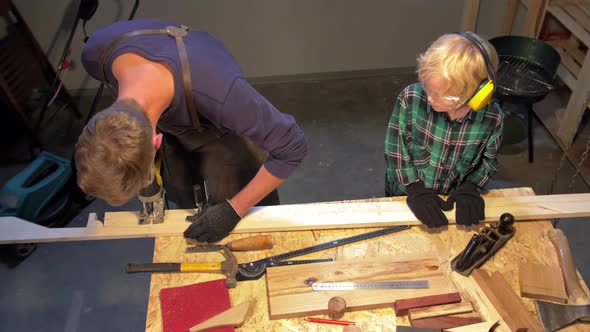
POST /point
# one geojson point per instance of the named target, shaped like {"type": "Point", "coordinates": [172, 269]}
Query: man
{"type": "Point", "coordinates": [182, 93]}
{"type": "Point", "coordinates": [443, 135]}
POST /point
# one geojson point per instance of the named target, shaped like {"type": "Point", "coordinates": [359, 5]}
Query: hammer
{"type": "Point", "coordinates": [555, 316]}
{"type": "Point", "coordinates": [229, 267]}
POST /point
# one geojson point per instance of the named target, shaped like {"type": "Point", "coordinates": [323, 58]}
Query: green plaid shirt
{"type": "Point", "coordinates": [422, 144]}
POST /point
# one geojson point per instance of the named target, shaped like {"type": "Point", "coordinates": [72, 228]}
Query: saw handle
{"type": "Point", "coordinates": [174, 267]}
{"type": "Point", "coordinates": [564, 254]}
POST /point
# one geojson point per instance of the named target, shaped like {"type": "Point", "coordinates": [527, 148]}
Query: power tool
{"type": "Point", "coordinates": [152, 199]}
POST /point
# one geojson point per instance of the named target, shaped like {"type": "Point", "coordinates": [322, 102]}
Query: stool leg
{"type": "Point", "coordinates": [530, 115]}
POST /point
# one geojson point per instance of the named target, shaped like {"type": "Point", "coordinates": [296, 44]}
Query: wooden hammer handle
{"type": "Point", "coordinates": [564, 254]}
{"type": "Point", "coordinates": [259, 242]}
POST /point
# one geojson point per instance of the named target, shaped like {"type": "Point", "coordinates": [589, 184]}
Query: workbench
{"type": "Point", "coordinates": [530, 244]}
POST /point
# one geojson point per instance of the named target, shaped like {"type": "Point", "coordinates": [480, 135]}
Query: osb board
{"type": "Point", "coordinates": [290, 296]}
{"type": "Point", "coordinates": [529, 244]}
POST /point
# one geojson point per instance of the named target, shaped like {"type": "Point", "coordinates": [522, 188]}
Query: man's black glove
{"type": "Point", "coordinates": [426, 205]}
{"type": "Point", "coordinates": [213, 224]}
{"type": "Point", "coordinates": [470, 205]}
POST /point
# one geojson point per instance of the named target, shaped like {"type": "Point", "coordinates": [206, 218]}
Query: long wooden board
{"type": "Point", "coordinates": [290, 296]}
{"type": "Point", "coordinates": [295, 217]}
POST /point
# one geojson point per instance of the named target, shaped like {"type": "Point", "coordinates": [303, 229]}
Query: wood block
{"type": "Point", "coordinates": [549, 287]}
{"type": "Point", "coordinates": [441, 310]}
{"type": "Point", "coordinates": [447, 322]}
{"type": "Point", "coordinates": [289, 294]}
{"type": "Point", "coordinates": [506, 302]}
{"type": "Point", "coordinates": [401, 306]}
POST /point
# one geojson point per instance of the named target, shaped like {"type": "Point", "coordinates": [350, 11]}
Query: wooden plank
{"type": "Point", "coordinates": [402, 306]}
{"type": "Point", "coordinates": [572, 47]}
{"type": "Point", "coordinates": [510, 13]}
{"type": "Point", "coordinates": [578, 15]}
{"type": "Point", "coordinates": [534, 11]}
{"type": "Point", "coordinates": [506, 302]}
{"type": "Point", "coordinates": [447, 322]}
{"type": "Point", "coordinates": [440, 310]}
{"type": "Point", "coordinates": [289, 295]}
{"type": "Point", "coordinates": [549, 287]}
{"type": "Point", "coordinates": [570, 24]}
{"type": "Point", "coordinates": [566, 58]}
{"type": "Point", "coordinates": [470, 12]}
{"type": "Point", "coordinates": [567, 77]}
{"type": "Point", "coordinates": [541, 17]}
{"type": "Point", "coordinates": [296, 217]}
{"type": "Point", "coordinates": [562, 3]}
{"type": "Point", "coordinates": [576, 105]}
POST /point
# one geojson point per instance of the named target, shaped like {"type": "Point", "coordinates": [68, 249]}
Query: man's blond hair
{"type": "Point", "coordinates": [458, 61]}
{"type": "Point", "coordinates": [115, 153]}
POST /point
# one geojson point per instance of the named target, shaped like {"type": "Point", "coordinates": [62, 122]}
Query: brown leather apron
{"type": "Point", "coordinates": [181, 164]}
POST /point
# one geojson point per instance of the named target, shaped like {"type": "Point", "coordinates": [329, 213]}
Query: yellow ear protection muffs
{"type": "Point", "coordinates": [483, 94]}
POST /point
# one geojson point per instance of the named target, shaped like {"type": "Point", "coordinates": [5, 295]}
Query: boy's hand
{"type": "Point", "coordinates": [470, 204]}
{"type": "Point", "coordinates": [426, 205]}
{"type": "Point", "coordinates": [213, 224]}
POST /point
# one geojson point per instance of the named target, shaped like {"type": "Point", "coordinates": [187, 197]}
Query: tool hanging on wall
{"type": "Point", "coordinates": [86, 10]}
{"type": "Point", "coordinates": [484, 245]}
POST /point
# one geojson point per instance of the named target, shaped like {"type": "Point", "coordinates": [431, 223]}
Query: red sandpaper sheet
{"type": "Point", "coordinates": [186, 306]}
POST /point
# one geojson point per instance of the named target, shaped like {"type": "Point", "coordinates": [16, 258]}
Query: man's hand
{"type": "Point", "coordinates": [470, 204]}
{"type": "Point", "coordinates": [213, 224]}
{"type": "Point", "coordinates": [426, 205]}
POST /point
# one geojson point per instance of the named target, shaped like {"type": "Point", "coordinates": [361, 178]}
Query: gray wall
{"type": "Point", "coordinates": [277, 37]}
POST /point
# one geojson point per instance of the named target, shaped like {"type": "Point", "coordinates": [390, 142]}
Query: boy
{"type": "Point", "coordinates": [182, 93]}
{"type": "Point", "coordinates": [443, 135]}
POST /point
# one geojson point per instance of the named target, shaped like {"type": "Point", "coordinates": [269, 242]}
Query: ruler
{"type": "Point", "coordinates": [405, 284]}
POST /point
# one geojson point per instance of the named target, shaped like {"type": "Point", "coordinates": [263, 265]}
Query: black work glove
{"type": "Point", "coordinates": [213, 224]}
{"type": "Point", "coordinates": [426, 205]}
{"type": "Point", "coordinates": [470, 205]}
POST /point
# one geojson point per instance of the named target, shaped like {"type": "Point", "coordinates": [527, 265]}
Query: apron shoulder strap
{"type": "Point", "coordinates": [177, 33]}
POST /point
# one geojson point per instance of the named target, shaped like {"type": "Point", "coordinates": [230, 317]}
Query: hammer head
{"type": "Point", "coordinates": [229, 267]}
{"type": "Point", "coordinates": [554, 316]}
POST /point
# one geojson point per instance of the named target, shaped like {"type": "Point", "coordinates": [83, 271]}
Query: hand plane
{"type": "Point", "coordinates": [484, 245]}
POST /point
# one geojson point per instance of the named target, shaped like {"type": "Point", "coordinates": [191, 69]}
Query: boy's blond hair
{"type": "Point", "coordinates": [115, 153]}
{"type": "Point", "coordinates": [459, 62]}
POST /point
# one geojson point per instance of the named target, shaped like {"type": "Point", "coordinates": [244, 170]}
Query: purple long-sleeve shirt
{"type": "Point", "coordinates": [221, 94]}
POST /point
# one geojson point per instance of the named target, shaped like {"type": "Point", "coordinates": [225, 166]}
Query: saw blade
{"type": "Point", "coordinates": [404, 284]}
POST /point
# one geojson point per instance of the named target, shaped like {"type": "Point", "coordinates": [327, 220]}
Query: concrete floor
{"type": "Point", "coordinates": [82, 286]}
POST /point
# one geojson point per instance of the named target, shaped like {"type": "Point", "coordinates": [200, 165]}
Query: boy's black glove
{"type": "Point", "coordinates": [426, 205]}
{"type": "Point", "coordinates": [470, 205]}
{"type": "Point", "coordinates": [213, 224]}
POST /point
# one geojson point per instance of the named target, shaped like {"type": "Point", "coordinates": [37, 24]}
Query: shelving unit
{"type": "Point", "coordinates": [574, 70]}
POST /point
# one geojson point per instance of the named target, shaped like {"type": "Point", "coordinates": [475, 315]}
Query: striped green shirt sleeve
{"type": "Point", "coordinates": [422, 144]}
